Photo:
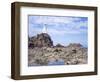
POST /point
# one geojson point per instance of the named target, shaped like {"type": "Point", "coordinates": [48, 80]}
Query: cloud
{"type": "Point", "coordinates": [58, 25]}
{"type": "Point", "coordinates": [52, 19]}
{"type": "Point", "coordinates": [71, 28]}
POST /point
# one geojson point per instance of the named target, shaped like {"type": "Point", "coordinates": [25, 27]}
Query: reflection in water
{"type": "Point", "coordinates": [58, 62]}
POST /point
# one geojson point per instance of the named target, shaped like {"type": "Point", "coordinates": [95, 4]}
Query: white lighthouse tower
{"type": "Point", "coordinates": [44, 30]}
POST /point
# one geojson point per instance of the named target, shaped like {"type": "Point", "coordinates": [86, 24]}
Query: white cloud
{"type": "Point", "coordinates": [71, 28]}
{"type": "Point", "coordinates": [52, 19]}
{"type": "Point", "coordinates": [58, 25]}
{"type": "Point", "coordinates": [63, 32]}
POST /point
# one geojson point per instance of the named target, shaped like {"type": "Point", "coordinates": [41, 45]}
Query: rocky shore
{"type": "Point", "coordinates": [41, 52]}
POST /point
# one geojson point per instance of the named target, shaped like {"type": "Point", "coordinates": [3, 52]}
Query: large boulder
{"type": "Point", "coordinates": [41, 40]}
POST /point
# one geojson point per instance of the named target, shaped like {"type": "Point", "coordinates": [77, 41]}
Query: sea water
{"type": "Point", "coordinates": [58, 62]}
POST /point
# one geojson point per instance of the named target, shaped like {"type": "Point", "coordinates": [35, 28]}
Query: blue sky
{"type": "Point", "coordinates": [62, 29]}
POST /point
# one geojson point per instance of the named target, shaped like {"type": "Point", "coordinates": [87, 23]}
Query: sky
{"type": "Point", "coordinates": [62, 29]}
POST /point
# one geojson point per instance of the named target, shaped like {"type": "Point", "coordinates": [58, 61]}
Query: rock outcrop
{"type": "Point", "coordinates": [41, 40]}
{"type": "Point", "coordinates": [41, 51]}
{"type": "Point", "coordinates": [70, 55]}
{"type": "Point", "coordinates": [59, 45]}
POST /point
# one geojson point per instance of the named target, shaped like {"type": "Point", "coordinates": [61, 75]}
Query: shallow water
{"type": "Point", "coordinates": [58, 62]}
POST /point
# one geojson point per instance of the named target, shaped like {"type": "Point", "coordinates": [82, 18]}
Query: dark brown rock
{"type": "Point", "coordinates": [59, 45]}
{"type": "Point", "coordinates": [41, 40]}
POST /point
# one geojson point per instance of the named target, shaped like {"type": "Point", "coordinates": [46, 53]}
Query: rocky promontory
{"type": "Point", "coordinates": [41, 40]}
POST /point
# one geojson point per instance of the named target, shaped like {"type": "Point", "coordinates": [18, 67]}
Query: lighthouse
{"type": "Point", "coordinates": [44, 30]}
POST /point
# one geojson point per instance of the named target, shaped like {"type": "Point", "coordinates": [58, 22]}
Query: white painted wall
{"type": "Point", "coordinates": [5, 44]}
